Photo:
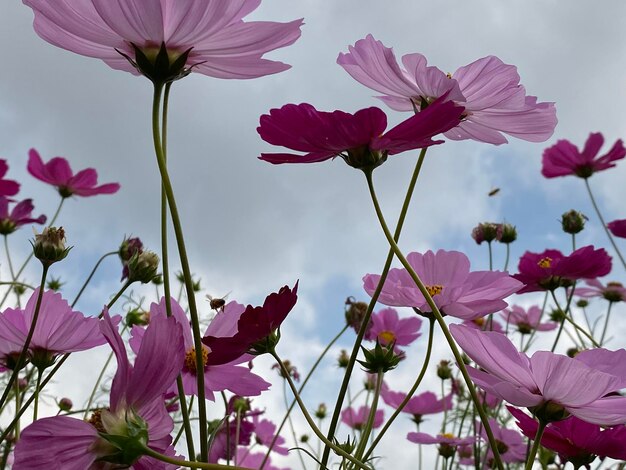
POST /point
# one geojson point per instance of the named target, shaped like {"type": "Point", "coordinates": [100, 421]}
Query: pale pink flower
{"type": "Point", "coordinates": [527, 320]}
{"type": "Point", "coordinates": [419, 405]}
{"type": "Point", "coordinates": [388, 327]}
{"type": "Point", "coordinates": [357, 418]}
{"type": "Point", "coordinates": [612, 291]}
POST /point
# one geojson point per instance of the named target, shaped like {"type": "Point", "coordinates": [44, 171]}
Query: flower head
{"type": "Point", "coordinates": [265, 432]}
{"type": "Point", "coordinates": [419, 405]}
{"type": "Point", "coordinates": [487, 232]}
{"type": "Point", "coordinates": [7, 187]}
{"type": "Point", "coordinates": [612, 291]}
{"type": "Point", "coordinates": [57, 172]}
{"type": "Point", "coordinates": [494, 101]}
{"type": "Point", "coordinates": [357, 138]}
{"type": "Point", "coordinates": [21, 214]}
{"type": "Point", "coordinates": [357, 418]}
{"type": "Point", "coordinates": [166, 39]}
{"type": "Point", "coordinates": [447, 442]}
{"type": "Point", "coordinates": [455, 290]}
{"type": "Point", "coordinates": [618, 228]}
{"type": "Point", "coordinates": [511, 445]}
{"type": "Point", "coordinates": [389, 329]}
{"type": "Point", "coordinates": [564, 158]}
{"type": "Point", "coordinates": [527, 321]}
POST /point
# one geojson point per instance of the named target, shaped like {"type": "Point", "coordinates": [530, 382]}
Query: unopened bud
{"type": "Point", "coordinates": [557, 315]}
{"type": "Point", "coordinates": [143, 267]}
{"type": "Point", "coordinates": [157, 280]}
{"type": "Point", "coordinates": [444, 371]}
{"type": "Point", "coordinates": [379, 359]}
{"type": "Point", "coordinates": [304, 438]}
{"type": "Point", "coordinates": [486, 232]}
{"type": "Point", "coordinates": [343, 360]}
{"type": "Point", "coordinates": [321, 411]}
{"type": "Point", "coordinates": [49, 245]}
{"type": "Point", "coordinates": [55, 284]}
{"type": "Point", "coordinates": [138, 317]}
{"type": "Point", "coordinates": [129, 248]}
{"type": "Point", "coordinates": [582, 303]}
{"type": "Point", "coordinates": [573, 222]}
{"type": "Point", "coordinates": [509, 234]}
{"type": "Point", "coordinates": [65, 404]}
{"type": "Point", "coordinates": [355, 314]}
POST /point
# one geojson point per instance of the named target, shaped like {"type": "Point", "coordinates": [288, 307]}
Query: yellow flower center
{"type": "Point", "coordinates": [614, 284]}
{"type": "Point", "coordinates": [479, 321]}
{"type": "Point", "coordinates": [545, 263]}
{"type": "Point", "coordinates": [448, 435]}
{"type": "Point", "coordinates": [434, 289]}
{"type": "Point", "coordinates": [96, 420]}
{"type": "Point", "coordinates": [386, 337]}
{"type": "Point", "coordinates": [190, 359]}
{"type": "Point", "coordinates": [449, 75]}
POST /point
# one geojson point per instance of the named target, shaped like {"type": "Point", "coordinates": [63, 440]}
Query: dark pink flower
{"type": "Point", "coordinates": [357, 138]}
{"type": "Point", "coordinates": [208, 36]}
{"type": "Point", "coordinates": [7, 187]}
{"type": "Point", "coordinates": [225, 444]}
{"type": "Point", "coordinates": [549, 384]}
{"type": "Point", "coordinates": [489, 89]}
{"type": "Point", "coordinates": [388, 328]}
{"type": "Point", "coordinates": [552, 269]}
{"type": "Point", "coordinates": [21, 214]}
{"type": "Point", "coordinates": [136, 401]}
{"type": "Point", "coordinates": [564, 158]}
{"type": "Point", "coordinates": [357, 418]}
{"type": "Point", "coordinates": [618, 228]}
{"type": "Point", "coordinates": [58, 173]}
{"type": "Point", "coordinates": [426, 403]}
{"type": "Point", "coordinates": [455, 290]}
{"type": "Point", "coordinates": [612, 291]}
{"type": "Point", "coordinates": [59, 330]}
{"type": "Point", "coordinates": [527, 320]}
{"type": "Point", "coordinates": [232, 375]}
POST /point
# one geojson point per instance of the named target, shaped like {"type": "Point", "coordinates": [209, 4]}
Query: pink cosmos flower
{"type": "Point", "coordinates": [357, 418]}
{"type": "Point", "coordinates": [248, 459]}
{"type": "Point", "coordinates": [57, 172]}
{"type": "Point", "coordinates": [425, 403]}
{"type": "Point", "coordinates": [575, 440]}
{"type": "Point", "coordinates": [618, 228]}
{"type": "Point", "coordinates": [527, 320]}
{"type": "Point", "coordinates": [136, 400]}
{"type": "Point", "coordinates": [511, 445]}
{"type": "Point", "coordinates": [612, 291]}
{"type": "Point", "coordinates": [388, 328]}
{"type": "Point", "coordinates": [551, 269]}
{"type": "Point", "coordinates": [489, 89]}
{"type": "Point", "coordinates": [484, 324]}
{"type": "Point", "coordinates": [21, 214]}
{"type": "Point", "coordinates": [225, 444]}
{"type": "Point", "coordinates": [456, 291]}
{"type": "Point", "coordinates": [231, 375]}
{"type": "Point", "coordinates": [546, 381]}
{"type": "Point", "coordinates": [59, 330]}
{"type": "Point", "coordinates": [446, 439]}
{"type": "Point", "coordinates": [564, 158]}
{"type": "Point", "coordinates": [264, 431]}
{"type": "Point", "coordinates": [208, 36]}
{"type": "Point", "coordinates": [7, 187]}
{"type": "Point", "coordinates": [357, 138]}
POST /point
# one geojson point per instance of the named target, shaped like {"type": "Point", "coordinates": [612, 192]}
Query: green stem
{"type": "Point", "coordinates": [93, 271]}
{"type": "Point", "coordinates": [535, 447]}
{"type": "Point", "coordinates": [37, 388]}
{"type": "Point", "coordinates": [370, 308]}
{"type": "Point", "coordinates": [418, 381]}
{"type": "Point", "coordinates": [606, 324]}
{"type": "Point", "coordinates": [16, 283]}
{"type": "Point", "coordinates": [606, 230]}
{"type": "Point", "coordinates": [310, 420]}
{"type": "Point", "coordinates": [189, 464]}
{"type": "Point", "coordinates": [435, 311]}
{"type": "Point", "coordinates": [490, 256]}
{"type": "Point", "coordinates": [182, 251]}
{"type": "Point", "coordinates": [372, 416]}
{"type": "Point", "coordinates": [291, 426]}
{"type": "Point", "coordinates": [22, 357]}
{"type": "Point", "coordinates": [573, 323]}
{"type": "Point", "coordinates": [17, 407]}
{"type": "Point", "coordinates": [508, 254]}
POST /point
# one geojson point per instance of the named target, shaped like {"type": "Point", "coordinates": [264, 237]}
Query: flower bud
{"type": "Point", "coordinates": [138, 317]}
{"type": "Point", "coordinates": [55, 284]}
{"type": "Point", "coordinates": [572, 352]}
{"type": "Point", "coordinates": [379, 359]}
{"type": "Point", "coordinates": [143, 267]}
{"type": "Point", "coordinates": [49, 245]}
{"type": "Point", "coordinates": [65, 404]}
{"type": "Point", "coordinates": [582, 303]}
{"type": "Point", "coordinates": [304, 438]}
{"type": "Point", "coordinates": [291, 370]}
{"type": "Point", "coordinates": [557, 315]}
{"type": "Point", "coordinates": [573, 222]}
{"type": "Point", "coordinates": [128, 248]}
{"type": "Point", "coordinates": [509, 234]}
{"type": "Point", "coordinates": [157, 280]}
{"type": "Point", "coordinates": [444, 371]}
{"type": "Point", "coordinates": [486, 232]}
{"type": "Point", "coordinates": [343, 360]}
{"type": "Point", "coordinates": [321, 411]}
{"type": "Point", "coordinates": [348, 446]}
{"type": "Point", "coordinates": [22, 384]}
{"type": "Point", "coordinates": [355, 314]}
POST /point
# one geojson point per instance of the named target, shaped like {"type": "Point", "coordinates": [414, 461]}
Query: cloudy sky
{"type": "Point", "coordinates": [252, 227]}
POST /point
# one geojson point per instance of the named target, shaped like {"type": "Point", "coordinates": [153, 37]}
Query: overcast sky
{"type": "Point", "coordinates": [252, 227]}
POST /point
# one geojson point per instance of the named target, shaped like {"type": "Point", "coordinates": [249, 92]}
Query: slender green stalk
{"type": "Point", "coordinates": [11, 271]}
{"type": "Point", "coordinates": [186, 463]}
{"type": "Point", "coordinates": [490, 256]}
{"type": "Point", "coordinates": [37, 388]}
{"type": "Point", "coordinates": [370, 308]}
{"type": "Point", "coordinates": [182, 251]}
{"type": "Point", "coordinates": [435, 311]}
{"type": "Point", "coordinates": [418, 381]}
{"type": "Point", "coordinates": [21, 360]}
{"type": "Point", "coordinates": [91, 274]}
{"type": "Point", "coordinates": [533, 451]}
{"type": "Point", "coordinates": [606, 324]}
{"type": "Point", "coordinates": [573, 323]}
{"type": "Point", "coordinates": [606, 229]}
{"type": "Point", "coordinates": [17, 408]}
{"type": "Point", "coordinates": [372, 416]}
{"type": "Point", "coordinates": [310, 420]}
{"type": "Point", "coordinates": [16, 283]}
{"type": "Point", "coordinates": [508, 255]}
{"type": "Point", "coordinates": [291, 426]}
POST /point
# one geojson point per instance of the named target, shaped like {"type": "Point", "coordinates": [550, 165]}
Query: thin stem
{"type": "Point", "coordinates": [372, 415]}
{"type": "Point", "coordinates": [37, 388]}
{"type": "Point", "coordinates": [573, 323]}
{"type": "Point", "coordinates": [10, 263]}
{"type": "Point", "coordinates": [435, 311]}
{"type": "Point", "coordinates": [418, 381]}
{"type": "Point", "coordinates": [490, 256]}
{"type": "Point", "coordinates": [606, 324]}
{"type": "Point", "coordinates": [606, 229]}
{"type": "Point", "coordinates": [290, 422]}
{"type": "Point", "coordinates": [182, 251]}
{"type": "Point", "coordinates": [17, 408]}
{"type": "Point", "coordinates": [17, 283]}
{"type": "Point", "coordinates": [370, 308]}
{"type": "Point", "coordinates": [533, 451]}
{"type": "Point", "coordinates": [186, 463]}
{"type": "Point", "coordinates": [508, 254]}
{"type": "Point", "coordinates": [93, 271]}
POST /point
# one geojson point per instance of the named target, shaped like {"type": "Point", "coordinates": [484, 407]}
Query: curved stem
{"type": "Point", "coordinates": [370, 308]}
{"type": "Point", "coordinates": [535, 447]}
{"type": "Point", "coordinates": [370, 419]}
{"type": "Point", "coordinates": [93, 271]}
{"type": "Point", "coordinates": [186, 463]}
{"type": "Point", "coordinates": [442, 324]}
{"type": "Point", "coordinates": [310, 420]}
{"type": "Point", "coordinates": [606, 324]}
{"type": "Point", "coordinates": [418, 381]}
{"type": "Point", "coordinates": [606, 229]}
{"type": "Point", "coordinates": [182, 251]}
{"type": "Point", "coordinates": [17, 283]}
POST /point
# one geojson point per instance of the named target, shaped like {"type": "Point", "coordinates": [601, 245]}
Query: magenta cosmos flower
{"type": "Point", "coordinates": [218, 377]}
{"type": "Point", "coordinates": [21, 214]}
{"type": "Point", "coordinates": [552, 385]}
{"type": "Point", "coordinates": [456, 291]}
{"type": "Point", "coordinates": [552, 269]}
{"type": "Point", "coordinates": [612, 291]}
{"type": "Point", "coordinates": [388, 327]}
{"type": "Point", "coordinates": [59, 330]}
{"type": "Point", "coordinates": [357, 418]}
{"type": "Point", "coordinates": [618, 228]}
{"type": "Point", "coordinates": [425, 403]}
{"type": "Point", "coordinates": [564, 158]}
{"type": "Point", "coordinates": [136, 402]}
{"type": "Point", "coordinates": [575, 440]}
{"type": "Point", "coordinates": [357, 138]}
{"type": "Point", "coordinates": [510, 443]}
{"type": "Point", "coordinates": [494, 101]}
{"type": "Point", "coordinates": [527, 321]}
{"type": "Point", "coordinates": [7, 187]}
{"type": "Point", "coordinates": [58, 173]}
{"type": "Point", "coordinates": [208, 36]}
